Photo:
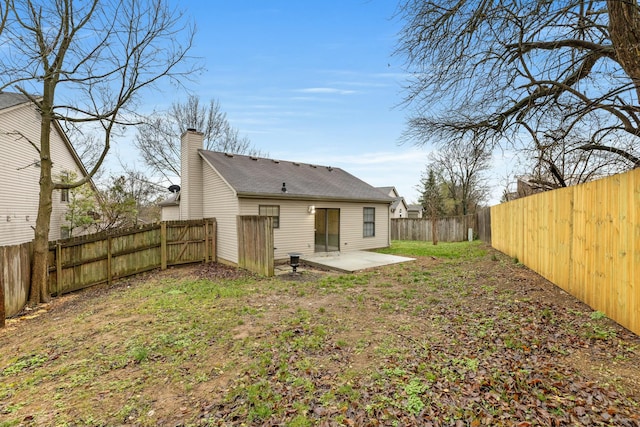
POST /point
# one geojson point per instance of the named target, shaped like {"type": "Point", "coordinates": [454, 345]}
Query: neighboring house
{"type": "Point", "coordinates": [398, 208]}
{"type": "Point", "coordinates": [20, 170]}
{"type": "Point", "coordinates": [315, 208]}
{"type": "Point", "coordinates": [415, 211]}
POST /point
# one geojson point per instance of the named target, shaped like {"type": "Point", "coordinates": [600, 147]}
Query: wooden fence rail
{"type": "Point", "coordinates": [84, 261]}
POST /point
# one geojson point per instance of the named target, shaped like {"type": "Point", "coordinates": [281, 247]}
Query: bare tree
{"type": "Point", "coordinates": [431, 200]}
{"type": "Point", "coordinates": [158, 138]}
{"type": "Point", "coordinates": [527, 69]}
{"type": "Point", "coordinates": [124, 198]}
{"type": "Point", "coordinates": [87, 62]}
{"type": "Point", "coordinates": [462, 168]}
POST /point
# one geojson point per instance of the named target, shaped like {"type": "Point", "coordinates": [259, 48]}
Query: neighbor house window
{"type": "Point", "coordinates": [272, 211]}
{"type": "Point", "coordinates": [64, 195]}
{"type": "Point", "coordinates": [369, 228]}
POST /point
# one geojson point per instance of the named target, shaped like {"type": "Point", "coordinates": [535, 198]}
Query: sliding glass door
{"type": "Point", "coordinates": [327, 230]}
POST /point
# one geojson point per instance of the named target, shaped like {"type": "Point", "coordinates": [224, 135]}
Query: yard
{"type": "Point", "coordinates": [463, 336]}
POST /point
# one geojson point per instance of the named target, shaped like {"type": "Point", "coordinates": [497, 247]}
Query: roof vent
{"type": "Point", "coordinates": [253, 158]}
{"type": "Point", "coordinates": [275, 161]}
{"type": "Point", "coordinates": [313, 166]}
{"type": "Point", "coordinates": [296, 164]}
{"type": "Point", "coordinates": [329, 168]}
{"type": "Point", "coordinates": [191, 130]}
{"type": "Point", "coordinates": [228, 154]}
{"type": "Point", "coordinates": [284, 187]}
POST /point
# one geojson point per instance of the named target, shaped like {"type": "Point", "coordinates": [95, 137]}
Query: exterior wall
{"type": "Point", "coordinates": [220, 202]}
{"type": "Point", "coordinates": [170, 213]}
{"type": "Point", "coordinates": [191, 179]}
{"type": "Point", "coordinates": [19, 177]}
{"type": "Point", "coordinates": [296, 232]}
{"type": "Point", "coordinates": [401, 211]}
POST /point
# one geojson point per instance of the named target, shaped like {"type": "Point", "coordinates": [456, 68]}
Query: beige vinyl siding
{"type": "Point", "coordinates": [296, 225]}
{"type": "Point", "coordinates": [19, 187]}
{"type": "Point", "coordinates": [351, 225]}
{"type": "Point", "coordinates": [191, 166]}
{"type": "Point", "coordinates": [296, 232]}
{"type": "Point", "coordinates": [220, 202]}
{"type": "Point", "coordinates": [170, 213]}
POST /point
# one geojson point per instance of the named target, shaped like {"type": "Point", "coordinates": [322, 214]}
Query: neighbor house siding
{"type": "Point", "coordinates": [19, 177]}
{"type": "Point", "coordinates": [220, 202]}
{"type": "Point", "coordinates": [295, 233]}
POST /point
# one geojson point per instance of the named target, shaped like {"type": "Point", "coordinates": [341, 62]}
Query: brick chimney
{"type": "Point", "coordinates": [191, 174]}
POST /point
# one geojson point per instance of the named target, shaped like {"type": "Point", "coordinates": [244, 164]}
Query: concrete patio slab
{"type": "Point", "coordinates": [351, 261]}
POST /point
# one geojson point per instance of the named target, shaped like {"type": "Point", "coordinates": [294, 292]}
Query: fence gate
{"type": "Point", "coordinates": [255, 244]}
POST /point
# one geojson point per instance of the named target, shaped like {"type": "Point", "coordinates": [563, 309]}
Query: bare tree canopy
{"type": "Point", "coordinates": [86, 64]}
{"type": "Point", "coordinates": [158, 138]}
{"type": "Point", "coordinates": [562, 75]}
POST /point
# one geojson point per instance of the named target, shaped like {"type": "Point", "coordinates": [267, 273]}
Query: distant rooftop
{"type": "Point", "coordinates": [9, 99]}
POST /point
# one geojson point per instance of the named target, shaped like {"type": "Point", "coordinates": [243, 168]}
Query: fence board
{"type": "Point", "coordinates": [585, 239]}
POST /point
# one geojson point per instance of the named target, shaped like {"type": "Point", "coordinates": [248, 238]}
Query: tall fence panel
{"type": "Point", "coordinates": [255, 244]}
{"type": "Point", "coordinates": [483, 224]}
{"type": "Point", "coordinates": [451, 229]}
{"type": "Point", "coordinates": [15, 277]}
{"type": "Point", "coordinates": [585, 239]}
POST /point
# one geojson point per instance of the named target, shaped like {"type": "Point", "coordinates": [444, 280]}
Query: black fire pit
{"type": "Point", "coordinates": [294, 261]}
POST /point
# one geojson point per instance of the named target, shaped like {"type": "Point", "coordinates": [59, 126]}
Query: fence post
{"type": "Point", "coordinates": [2, 310]}
{"type": "Point", "coordinates": [58, 267]}
{"type": "Point", "coordinates": [206, 240]}
{"type": "Point", "coordinates": [109, 266]}
{"type": "Point", "coordinates": [163, 245]}
{"type": "Point", "coordinates": [214, 234]}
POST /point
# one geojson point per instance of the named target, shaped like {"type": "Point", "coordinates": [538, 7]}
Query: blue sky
{"type": "Point", "coordinates": [309, 81]}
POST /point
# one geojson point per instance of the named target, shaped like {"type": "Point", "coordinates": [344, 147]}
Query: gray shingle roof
{"type": "Point", "coordinates": [9, 99]}
{"type": "Point", "coordinates": [260, 177]}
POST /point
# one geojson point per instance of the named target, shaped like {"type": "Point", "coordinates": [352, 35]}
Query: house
{"type": "Point", "coordinates": [315, 208]}
{"type": "Point", "coordinates": [20, 172]}
{"type": "Point", "coordinates": [415, 211]}
{"type": "Point", "coordinates": [398, 208]}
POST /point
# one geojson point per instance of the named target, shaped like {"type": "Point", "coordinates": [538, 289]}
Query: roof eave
{"type": "Point", "coordinates": [287, 196]}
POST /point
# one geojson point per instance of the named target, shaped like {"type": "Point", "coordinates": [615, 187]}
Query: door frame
{"type": "Point", "coordinates": [326, 230]}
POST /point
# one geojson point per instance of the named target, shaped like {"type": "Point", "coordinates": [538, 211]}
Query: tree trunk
{"type": "Point", "coordinates": [624, 30]}
{"type": "Point", "coordinates": [434, 227]}
{"type": "Point", "coordinates": [40, 269]}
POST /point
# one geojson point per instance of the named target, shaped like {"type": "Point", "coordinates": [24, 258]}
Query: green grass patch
{"type": "Point", "coordinates": [449, 250]}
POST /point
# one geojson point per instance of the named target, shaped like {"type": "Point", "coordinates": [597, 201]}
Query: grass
{"type": "Point", "coordinates": [446, 340]}
{"type": "Point", "coordinates": [457, 250]}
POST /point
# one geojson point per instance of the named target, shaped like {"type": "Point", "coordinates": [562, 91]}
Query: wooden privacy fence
{"type": "Point", "coordinates": [585, 239]}
{"type": "Point", "coordinates": [89, 260]}
{"type": "Point", "coordinates": [15, 278]}
{"type": "Point", "coordinates": [451, 229]}
{"type": "Point", "coordinates": [255, 244]}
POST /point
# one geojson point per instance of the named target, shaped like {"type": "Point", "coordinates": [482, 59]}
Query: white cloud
{"type": "Point", "coordinates": [328, 90]}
